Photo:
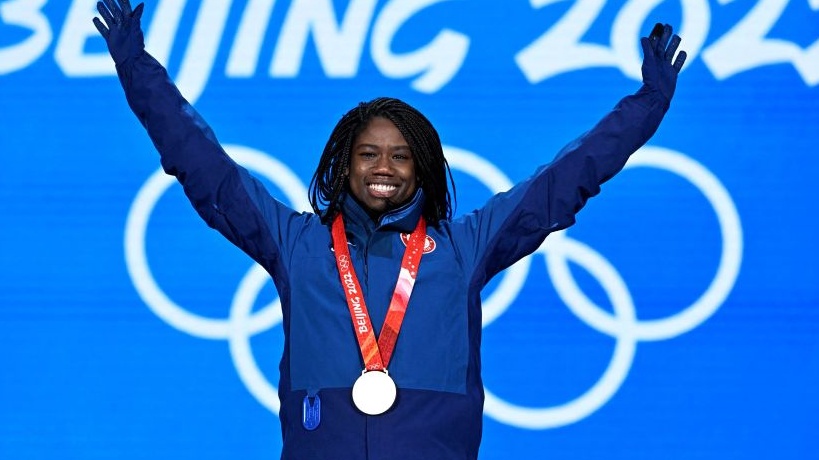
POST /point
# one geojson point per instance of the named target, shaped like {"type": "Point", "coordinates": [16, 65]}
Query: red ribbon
{"type": "Point", "coordinates": [377, 353]}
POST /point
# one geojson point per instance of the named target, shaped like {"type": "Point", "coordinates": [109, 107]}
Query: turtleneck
{"type": "Point", "coordinates": [403, 218]}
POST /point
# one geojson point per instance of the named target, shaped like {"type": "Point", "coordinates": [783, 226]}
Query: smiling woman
{"type": "Point", "coordinates": [382, 152]}
{"type": "Point", "coordinates": [381, 225]}
{"type": "Point", "coordinates": [382, 171]}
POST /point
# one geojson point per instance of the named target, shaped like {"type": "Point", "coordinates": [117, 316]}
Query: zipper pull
{"type": "Point", "coordinates": [311, 411]}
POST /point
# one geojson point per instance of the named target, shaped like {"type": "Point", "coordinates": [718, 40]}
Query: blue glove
{"type": "Point", "coordinates": [658, 71]}
{"type": "Point", "coordinates": [121, 30]}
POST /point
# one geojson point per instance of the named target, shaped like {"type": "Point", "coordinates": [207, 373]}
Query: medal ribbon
{"type": "Point", "coordinates": [377, 353]}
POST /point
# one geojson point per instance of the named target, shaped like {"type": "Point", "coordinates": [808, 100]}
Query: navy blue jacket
{"type": "Point", "coordinates": [436, 364]}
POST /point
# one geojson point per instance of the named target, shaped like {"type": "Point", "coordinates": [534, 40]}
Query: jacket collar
{"type": "Point", "coordinates": [403, 219]}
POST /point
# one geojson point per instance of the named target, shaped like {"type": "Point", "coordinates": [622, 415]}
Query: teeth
{"type": "Point", "coordinates": [382, 187]}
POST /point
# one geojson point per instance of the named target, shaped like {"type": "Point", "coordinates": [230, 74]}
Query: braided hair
{"type": "Point", "coordinates": [330, 182]}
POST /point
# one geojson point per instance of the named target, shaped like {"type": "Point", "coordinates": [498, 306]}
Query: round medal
{"type": "Point", "coordinates": [374, 392]}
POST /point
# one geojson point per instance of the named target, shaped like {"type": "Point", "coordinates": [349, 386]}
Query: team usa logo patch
{"type": "Point", "coordinates": [429, 243]}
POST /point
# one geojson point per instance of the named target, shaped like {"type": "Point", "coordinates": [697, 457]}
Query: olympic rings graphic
{"type": "Point", "coordinates": [558, 250]}
{"type": "Point", "coordinates": [137, 261]}
{"type": "Point", "coordinates": [344, 263]}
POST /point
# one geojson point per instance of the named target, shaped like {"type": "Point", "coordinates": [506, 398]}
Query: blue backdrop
{"type": "Point", "coordinates": [677, 319]}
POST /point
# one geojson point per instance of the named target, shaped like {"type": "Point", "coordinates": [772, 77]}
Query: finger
{"type": "Point", "coordinates": [138, 11]}
{"type": "Point", "coordinates": [101, 28]}
{"type": "Point", "coordinates": [116, 13]}
{"type": "Point", "coordinates": [126, 8]}
{"type": "Point", "coordinates": [655, 32]}
{"type": "Point", "coordinates": [106, 15]}
{"type": "Point", "coordinates": [663, 41]}
{"type": "Point", "coordinates": [678, 63]}
{"type": "Point", "coordinates": [672, 48]}
{"type": "Point", "coordinates": [645, 42]}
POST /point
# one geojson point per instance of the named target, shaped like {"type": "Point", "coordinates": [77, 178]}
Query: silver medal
{"type": "Point", "coordinates": [374, 392]}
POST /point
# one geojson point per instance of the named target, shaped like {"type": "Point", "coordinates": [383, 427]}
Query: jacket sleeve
{"type": "Point", "coordinates": [224, 194]}
{"type": "Point", "coordinates": [513, 224]}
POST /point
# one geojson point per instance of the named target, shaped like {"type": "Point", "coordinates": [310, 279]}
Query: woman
{"type": "Point", "coordinates": [379, 286]}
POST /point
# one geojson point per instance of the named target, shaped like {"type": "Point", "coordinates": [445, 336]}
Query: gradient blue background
{"type": "Point", "coordinates": [89, 371]}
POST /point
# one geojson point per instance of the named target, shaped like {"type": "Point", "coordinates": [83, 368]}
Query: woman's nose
{"type": "Point", "coordinates": [383, 164]}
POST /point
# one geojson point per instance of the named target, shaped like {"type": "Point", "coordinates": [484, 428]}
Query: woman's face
{"type": "Point", "coordinates": [382, 168]}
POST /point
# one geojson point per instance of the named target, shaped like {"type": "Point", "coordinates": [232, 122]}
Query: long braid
{"type": "Point", "coordinates": [328, 184]}
{"type": "Point", "coordinates": [431, 169]}
{"type": "Point", "coordinates": [330, 180]}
